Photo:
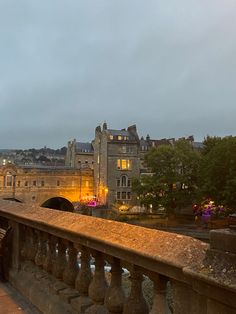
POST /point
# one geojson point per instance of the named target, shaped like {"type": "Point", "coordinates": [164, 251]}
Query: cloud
{"type": "Point", "coordinates": [169, 67]}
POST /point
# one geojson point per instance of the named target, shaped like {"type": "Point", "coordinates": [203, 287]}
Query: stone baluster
{"type": "Point", "coordinates": [72, 267]}
{"type": "Point", "coordinates": [115, 297]}
{"type": "Point", "coordinates": [160, 290]}
{"type": "Point", "coordinates": [51, 251]}
{"type": "Point", "coordinates": [84, 276]}
{"type": "Point", "coordinates": [42, 249]}
{"type": "Point", "coordinates": [135, 303]}
{"type": "Point", "coordinates": [98, 286]}
{"type": "Point", "coordinates": [60, 262]}
{"type": "Point", "coordinates": [83, 281]}
{"type": "Point", "coordinates": [24, 250]}
{"type": "Point", "coordinates": [32, 244]}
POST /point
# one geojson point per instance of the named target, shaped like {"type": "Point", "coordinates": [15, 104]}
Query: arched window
{"type": "Point", "coordinates": [124, 181]}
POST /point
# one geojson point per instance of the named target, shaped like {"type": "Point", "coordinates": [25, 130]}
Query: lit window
{"type": "Point", "coordinates": [124, 164]}
{"type": "Point", "coordinates": [111, 137]}
{"type": "Point", "coordinates": [118, 164]}
{"type": "Point", "coordinates": [86, 183]}
{"type": "Point", "coordinates": [120, 138]}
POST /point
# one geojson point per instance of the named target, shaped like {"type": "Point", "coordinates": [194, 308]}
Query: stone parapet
{"type": "Point", "coordinates": [79, 263]}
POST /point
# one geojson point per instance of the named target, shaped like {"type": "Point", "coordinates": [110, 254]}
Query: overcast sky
{"type": "Point", "coordinates": [67, 66]}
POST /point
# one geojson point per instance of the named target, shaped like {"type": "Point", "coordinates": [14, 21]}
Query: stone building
{"type": "Point", "coordinates": [79, 155]}
{"type": "Point", "coordinates": [116, 162]}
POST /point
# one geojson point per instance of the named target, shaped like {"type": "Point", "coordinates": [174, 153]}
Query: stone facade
{"type": "Point", "coordinates": [116, 162]}
{"type": "Point", "coordinates": [79, 155]}
{"type": "Point", "coordinates": [39, 184]}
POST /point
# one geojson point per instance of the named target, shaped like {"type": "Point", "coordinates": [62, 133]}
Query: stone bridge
{"type": "Point", "coordinates": [59, 261]}
{"type": "Point", "coordinates": [55, 187]}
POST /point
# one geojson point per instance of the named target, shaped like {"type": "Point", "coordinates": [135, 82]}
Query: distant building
{"type": "Point", "coordinates": [116, 157]}
{"type": "Point", "coordinates": [116, 162]}
{"type": "Point", "coordinates": [79, 155]}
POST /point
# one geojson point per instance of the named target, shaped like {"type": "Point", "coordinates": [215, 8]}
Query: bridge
{"type": "Point", "coordinates": [54, 187]}
{"type": "Point", "coordinates": [57, 261]}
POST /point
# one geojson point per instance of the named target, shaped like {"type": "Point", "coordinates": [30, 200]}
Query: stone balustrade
{"type": "Point", "coordinates": [59, 262]}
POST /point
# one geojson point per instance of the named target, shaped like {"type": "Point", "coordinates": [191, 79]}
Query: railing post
{"type": "Point", "coordinates": [98, 286]}
{"type": "Point", "coordinates": [135, 303]}
{"type": "Point", "coordinates": [83, 281]}
{"type": "Point", "coordinates": [60, 262]}
{"type": "Point", "coordinates": [42, 249]}
{"type": "Point", "coordinates": [115, 297]}
{"type": "Point", "coordinates": [72, 268]}
{"type": "Point", "coordinates": [160, 290]}
{"type": "Point", "coordinates": [51, 250]}
{"type": "Point", "coordinates": [16, 246]}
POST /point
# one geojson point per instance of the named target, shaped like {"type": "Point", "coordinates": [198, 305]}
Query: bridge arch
{"type": "Point", "coordinates": [59, 203]}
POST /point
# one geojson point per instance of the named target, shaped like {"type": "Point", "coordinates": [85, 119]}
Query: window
{"type": "Point", "coordinates": [111, 137]}
{"type": "Point", "coordinates": [9, 179]}
{"type": "Point", "coordinates": [26, 183]}
{"type": "Point", "coordinates": [34, 183]}
{"type": "Point", "coordinates": [123, 195]}
{"type": "Point", "coordinates": [124, 164]}
{"type": "Point", "coordinates": [120, 138]}
{"type": "Point", "coordinates": [58, 183]}
{"type": "Point", "coordinates": [124, 181]}
{"type": "Point", "coordinates": [118, 182]}
{"type": "Point", "coordinates": [87, 183]}
{"type": "Point", "coordinates": [42, 183]}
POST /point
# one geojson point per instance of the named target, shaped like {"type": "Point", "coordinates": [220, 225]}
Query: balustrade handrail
{"type": "Point", "coordinates": [201, 277]}
{"type": "Point", "coordinates": [154, 250]}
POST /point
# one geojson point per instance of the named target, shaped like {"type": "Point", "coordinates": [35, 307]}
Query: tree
{"type": "Point", "coordinates": [172, 182]}
{"type": "Point", "coordinates": [218, 172]}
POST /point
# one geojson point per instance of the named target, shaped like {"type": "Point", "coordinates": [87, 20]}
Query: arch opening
{"type": "Point", "coordinates": [59, 203]}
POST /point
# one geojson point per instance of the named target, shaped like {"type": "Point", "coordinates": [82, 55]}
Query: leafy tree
{"type": "Point", "coordinates": [218, 172]}
{"type": "Point", "coordinates": [172, 182]}
{"type": "Point", "coordinates": [209, 143]}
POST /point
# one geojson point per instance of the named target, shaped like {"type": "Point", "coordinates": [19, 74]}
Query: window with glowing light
{"type": "Point", "coordinates": [124, 164]}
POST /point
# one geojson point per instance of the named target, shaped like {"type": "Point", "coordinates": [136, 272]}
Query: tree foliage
{"type": "Point", "coordinates": [174, 173]}
{"type": "Point", "coordinates": [218, 171]}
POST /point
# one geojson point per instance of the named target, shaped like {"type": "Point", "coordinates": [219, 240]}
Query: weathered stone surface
{"type": "Point", "coordinates": [214, 307]}
{"type": "Point", "coordinates": [80, 304]}
{"type": "Point", "coordinates": [68, 294]}
{"type": "Point", "coordinates": [223, 240]}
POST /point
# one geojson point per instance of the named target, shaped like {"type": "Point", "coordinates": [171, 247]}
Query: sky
{"type": "Point", "coordinates": [67, 66]}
